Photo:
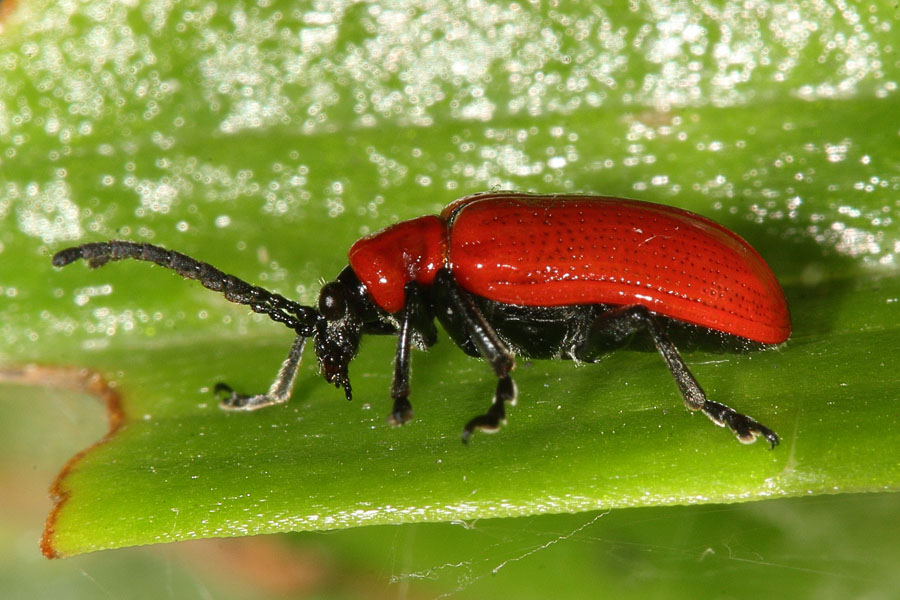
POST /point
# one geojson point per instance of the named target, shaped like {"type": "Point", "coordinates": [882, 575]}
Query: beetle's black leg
{"type": "Point", "coordinates": [402, 410]}
{"type": "Point", "coordinates": [280, 390]}
{"type": "Point", "coordinates": [415, 320]}
{"type": "Point", "coordinates": [301, 319]}
{"type": "Point", "coordinates": [620, 323]}
{"type": "Point", "coordinates": [490, 347]}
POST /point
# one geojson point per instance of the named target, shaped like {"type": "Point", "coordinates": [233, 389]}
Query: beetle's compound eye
{"type": "Point", "coordinates": [332, 304]}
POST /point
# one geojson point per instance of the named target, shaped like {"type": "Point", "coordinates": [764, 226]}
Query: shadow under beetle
{"type": "Point", "coordinates": [505, 273]}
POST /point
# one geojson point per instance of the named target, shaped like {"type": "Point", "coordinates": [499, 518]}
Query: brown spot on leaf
{"type": "Point", "coordinates": [6, 8]}
{"type": "Point", "coordinates": [79, 380]}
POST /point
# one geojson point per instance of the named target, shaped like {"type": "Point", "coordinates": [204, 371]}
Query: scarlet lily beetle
{"type": "Point", "coordinates": [542, 276]}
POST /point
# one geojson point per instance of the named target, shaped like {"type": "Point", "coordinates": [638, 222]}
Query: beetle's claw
{"type": "Point", "coordinates": [771, 436]}
{"type": "Point", "coordinates": [228, 398]}
{"type": "Point", "coordinates": [481, 423]}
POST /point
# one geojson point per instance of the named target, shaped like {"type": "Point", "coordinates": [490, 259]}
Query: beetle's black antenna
{"type": "Point", "coordinates": [300, 318]}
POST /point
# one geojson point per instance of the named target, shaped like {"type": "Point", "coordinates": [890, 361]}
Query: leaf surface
{"type": "Point", "coordinates": [266, 141]}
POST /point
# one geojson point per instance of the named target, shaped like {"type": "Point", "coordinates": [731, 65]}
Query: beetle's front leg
{"type": "Point", "coordinates": [490, 347]}
{"type": "Point", "coordinates": [280, 390]}
{"type": "Point", "coordinates": [417, 320]}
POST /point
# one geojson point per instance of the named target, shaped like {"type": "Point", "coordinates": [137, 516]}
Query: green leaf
{"type": "Point", "coordinates": [266, 139]}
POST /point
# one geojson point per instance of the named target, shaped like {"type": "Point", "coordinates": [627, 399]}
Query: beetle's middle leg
{"type": "Point", "coordinates": [490, 347]}
{"type": "Point", "coordinates": [620, 323]}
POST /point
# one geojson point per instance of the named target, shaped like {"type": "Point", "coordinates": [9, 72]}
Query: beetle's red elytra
{"type": "Point", "coordinates": [561, 250]}
{"type": "Point", "coordinates": [506, 274]}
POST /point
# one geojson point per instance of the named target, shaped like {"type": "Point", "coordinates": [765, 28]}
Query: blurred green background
{"type": "Point", "coordinates": [266, 137]}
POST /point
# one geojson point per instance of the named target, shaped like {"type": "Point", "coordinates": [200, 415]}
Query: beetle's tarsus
{"type": "Point", "coordinates": [233, 401]}
{"type": "Point", "coordinates": [506, 391]}
{"type": "Point", "coordinates": [401, 413]}
{"type": "Point", "coordinates": [745, 428]}
{"type": "Point", "coordinates": [491, 421]}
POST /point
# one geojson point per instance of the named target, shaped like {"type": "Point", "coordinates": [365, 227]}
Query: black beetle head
{"type": "Point", "coordinates": [336, 345]}
{"type": "Point", "coordinates": [345, 308]}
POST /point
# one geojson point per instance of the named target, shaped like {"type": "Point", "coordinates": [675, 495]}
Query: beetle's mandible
{"type": "Point", "coordinates": [506, 273]}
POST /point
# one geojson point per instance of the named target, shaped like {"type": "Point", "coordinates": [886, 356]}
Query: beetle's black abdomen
{"type": "Point", "coordinates": [550, 332]}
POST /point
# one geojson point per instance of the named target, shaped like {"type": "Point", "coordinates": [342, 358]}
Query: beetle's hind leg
{"type": "Point", "coordinates": [279, 392]}
{"type": "Point", "coordinates": [620, 323]}
{"type": "Point", "coordinates": [490, 347]}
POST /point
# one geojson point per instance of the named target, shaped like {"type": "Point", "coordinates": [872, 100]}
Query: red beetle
{"type": "Point", "coordinates": [559, 276]}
